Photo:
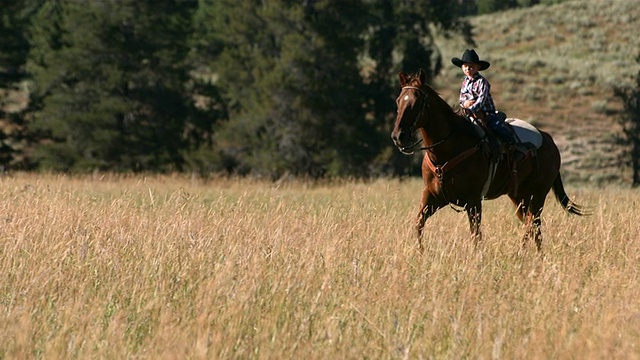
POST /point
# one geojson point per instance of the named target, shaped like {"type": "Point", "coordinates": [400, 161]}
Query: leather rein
{"type": "Point", "coordinates": [438, 170]}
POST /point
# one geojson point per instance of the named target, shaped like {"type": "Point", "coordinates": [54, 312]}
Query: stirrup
{"type": "Point", "coordinates": [519, 147]}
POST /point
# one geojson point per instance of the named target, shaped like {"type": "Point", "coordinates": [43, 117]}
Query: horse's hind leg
{"type": "Point", "coordinates": [534, 231]}
{"type": "Point", "coordinates": [529, 211]}
{"type": "Point", "coordinates": [474, 213]}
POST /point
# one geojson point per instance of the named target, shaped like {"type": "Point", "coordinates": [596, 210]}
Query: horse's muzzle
{"type": "Point", "coordinates": [402, 140]}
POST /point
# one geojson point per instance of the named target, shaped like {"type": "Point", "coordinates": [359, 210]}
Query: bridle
{"type": "Point", "coordinates": [425, 104]}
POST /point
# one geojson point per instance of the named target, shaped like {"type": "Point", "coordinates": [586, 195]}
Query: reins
{"type": "Point", "coordinates": [438, 142]}
{"type": "Point", "coordinates": [438, 170]}
{"type": "Point", "coordinates": [410, 148]}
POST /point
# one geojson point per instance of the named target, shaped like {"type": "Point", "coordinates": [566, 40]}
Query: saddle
{"type": "Point", "coordinates": [496, 150]}
{"type": "Point", "coordinates": [527, 134]}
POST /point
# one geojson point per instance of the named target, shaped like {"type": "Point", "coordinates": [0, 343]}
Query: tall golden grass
{"type": "Point", "coordinates": [173, 267]}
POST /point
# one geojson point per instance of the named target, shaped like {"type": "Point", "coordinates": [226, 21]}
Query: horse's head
{"type": "Point", "coordinates": [411, 103]}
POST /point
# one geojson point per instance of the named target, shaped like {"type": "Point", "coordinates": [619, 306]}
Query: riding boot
{"type": "Point", "coordinates": [509, 137]}
{"type": "Point", "coordinates": [513, 141]}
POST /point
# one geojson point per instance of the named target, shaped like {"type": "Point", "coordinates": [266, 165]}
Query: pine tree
{"type": "Point", "coordinates": [14, 48]}
{"type": "Point", "coordinates": [292, 88]}
{"type": "Point", "coordinates": [309, 87]}
{"type": "Point", "coordinates": [110, 84]}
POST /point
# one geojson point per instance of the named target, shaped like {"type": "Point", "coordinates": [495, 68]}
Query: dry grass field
{"type": "Point", "coordinates": [179, 268]}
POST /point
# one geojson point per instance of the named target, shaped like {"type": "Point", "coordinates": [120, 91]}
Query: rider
{"type": "Point", "coordinates": [475, 96]}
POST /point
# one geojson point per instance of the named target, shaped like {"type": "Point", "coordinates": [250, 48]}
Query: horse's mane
{"type": "Point", "coordinates": [432, 94]}
{"type": "Point", "coordinates": [457, 116]}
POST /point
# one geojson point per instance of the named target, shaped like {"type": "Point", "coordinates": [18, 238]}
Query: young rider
{"type": "Point", "coordinates": [475, 96]}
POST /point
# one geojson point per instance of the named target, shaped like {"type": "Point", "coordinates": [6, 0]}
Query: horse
{"type": "Point", "coordinates": [460, 169]}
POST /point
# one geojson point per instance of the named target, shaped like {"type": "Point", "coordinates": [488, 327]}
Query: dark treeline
{"type": "Point", "coordinates": [265, 88]}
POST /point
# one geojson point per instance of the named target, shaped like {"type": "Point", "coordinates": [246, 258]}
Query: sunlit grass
{"type": "Point", "coordinates": [172, 267]}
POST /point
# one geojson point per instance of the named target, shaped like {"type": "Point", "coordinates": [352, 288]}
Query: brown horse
{"type": "Point", "coordinates": [458, 167]}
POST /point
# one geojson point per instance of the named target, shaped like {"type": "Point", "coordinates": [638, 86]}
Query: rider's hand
{"type": "Point", "coordinates": [467, 103]}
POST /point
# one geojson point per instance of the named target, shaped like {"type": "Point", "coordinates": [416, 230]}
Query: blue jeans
{"type": "Point", "coordinates": [498, 127]}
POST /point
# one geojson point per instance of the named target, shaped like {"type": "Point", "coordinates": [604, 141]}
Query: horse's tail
{"type": "Point", "coordinates": [563, 199]}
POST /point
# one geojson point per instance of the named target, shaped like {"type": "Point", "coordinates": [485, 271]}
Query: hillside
{"type": "Point", "coordinates": [556, 66]}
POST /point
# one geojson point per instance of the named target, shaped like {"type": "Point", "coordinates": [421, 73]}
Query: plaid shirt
{"type": "Point", "coordinates": [477, 89]}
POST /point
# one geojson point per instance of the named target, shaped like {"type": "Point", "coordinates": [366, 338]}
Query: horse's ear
{"type": "Point", "coordinates": [403, 79]}
{"type": "Point", "coordinates": [422, 76]}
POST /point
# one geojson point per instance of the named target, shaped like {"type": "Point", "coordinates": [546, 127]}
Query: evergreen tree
{"type": "Point", "coordinates": [291, 83]}
{"type": "Point", "coordinates": [308, 87]}
{"type": "Point", "coordinates": [109, 84]}
{"type": "Point", "coordinates": [14, 48]}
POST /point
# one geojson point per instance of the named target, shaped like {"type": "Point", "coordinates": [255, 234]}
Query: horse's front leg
{"type": "Point", "coordinates": [474, 213]}
{"type": "Point", "coordinates": [428, 207]}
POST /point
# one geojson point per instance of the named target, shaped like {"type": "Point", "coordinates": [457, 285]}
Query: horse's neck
{"type": "Point", "coordinates": [438, 126]}
{"type": "Point", "coordinates": [442, 127]}
{"type": "Point", "coordinates": [448, 132]}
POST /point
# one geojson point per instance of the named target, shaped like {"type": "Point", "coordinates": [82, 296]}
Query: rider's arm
{"type": "Point", "coordinates": [482, 90]}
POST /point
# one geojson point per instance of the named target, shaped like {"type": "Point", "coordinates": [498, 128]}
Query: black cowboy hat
{"type": "Point", "coordinates": [470, 56]}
